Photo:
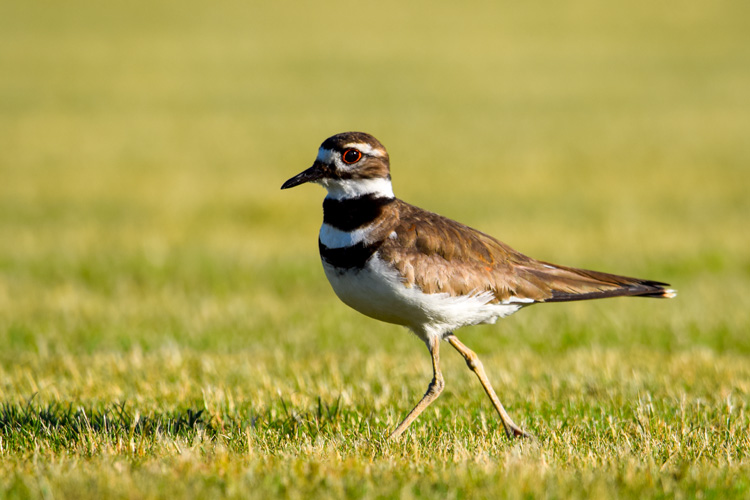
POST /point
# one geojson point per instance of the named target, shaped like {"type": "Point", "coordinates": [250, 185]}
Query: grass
{"type": "Point", "coordinates": [166, 327]}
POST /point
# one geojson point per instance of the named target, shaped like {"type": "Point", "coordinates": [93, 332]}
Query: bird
{"type": "Point", "coordinates": [401, 264]}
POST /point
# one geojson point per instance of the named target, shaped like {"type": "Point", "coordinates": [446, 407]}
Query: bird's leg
{"type": "Point", "coordinates": [472, 360]}
{"type": "Point", "coordinates": [433, 390]}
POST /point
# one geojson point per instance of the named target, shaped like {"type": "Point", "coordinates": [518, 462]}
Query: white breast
{"type": "Point", "coordinates": [378, 291]}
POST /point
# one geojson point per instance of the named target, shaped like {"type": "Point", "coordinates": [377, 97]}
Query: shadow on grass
{"type": "Point", "coordinates": [63, 425]}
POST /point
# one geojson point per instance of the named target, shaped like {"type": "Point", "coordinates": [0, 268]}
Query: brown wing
{"type": "Point", "coordinates": [440, 255]}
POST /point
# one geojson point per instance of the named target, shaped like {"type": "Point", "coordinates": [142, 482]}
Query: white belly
{"type": "Point", "coordinates": [378, 291]}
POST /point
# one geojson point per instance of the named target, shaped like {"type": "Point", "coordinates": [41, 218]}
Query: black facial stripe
{"type": "Point", "coordinates": [350, 214]}
{"type": "Point", "coordinates": [353, 257]}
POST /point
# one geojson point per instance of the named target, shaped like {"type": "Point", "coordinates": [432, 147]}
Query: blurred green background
{"type": "Point", "coordinates": [148, 255]}
{"type": "Point", "coordinates": [143, 145]}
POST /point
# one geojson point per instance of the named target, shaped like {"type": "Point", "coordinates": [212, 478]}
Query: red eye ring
{"type": "Point", "coordinates": [351, 156]}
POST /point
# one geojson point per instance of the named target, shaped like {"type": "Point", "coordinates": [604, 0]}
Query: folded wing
{"type": "Point", "coordinates": [440, 255]}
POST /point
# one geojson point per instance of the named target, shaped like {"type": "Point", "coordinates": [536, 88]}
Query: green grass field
{"type": "Point", "coordinates": [166, 327]}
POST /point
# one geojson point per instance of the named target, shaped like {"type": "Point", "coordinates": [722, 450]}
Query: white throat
{"type": "Point", "coordinates": [341, 189]}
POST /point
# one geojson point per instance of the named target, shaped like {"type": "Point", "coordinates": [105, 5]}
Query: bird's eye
{"type": "Point", "coordinates": [351, 156]}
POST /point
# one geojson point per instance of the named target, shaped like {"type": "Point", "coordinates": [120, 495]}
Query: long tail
{"type": "Point", "coordinates": [567, 284]}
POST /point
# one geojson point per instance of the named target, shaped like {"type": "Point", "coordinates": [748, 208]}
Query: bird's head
{"type": "Point", "coordinates": [349, 165]}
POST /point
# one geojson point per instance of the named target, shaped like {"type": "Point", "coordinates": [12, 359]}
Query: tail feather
{"type": "Point", "coordinates": [569, 284]}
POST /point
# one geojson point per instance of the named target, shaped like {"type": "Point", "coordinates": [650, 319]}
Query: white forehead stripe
{"type": "Point", "coordinates": [327, 156]}
{"type": "Point", "coordinates": [330, 156]}
{"type": "Point", "coordinates": [365, 148]}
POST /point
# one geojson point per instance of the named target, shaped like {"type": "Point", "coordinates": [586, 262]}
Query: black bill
{"type": "Point", "coordinates": [311, 174]}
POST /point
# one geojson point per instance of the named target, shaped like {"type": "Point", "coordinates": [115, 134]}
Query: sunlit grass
{"type": "Point", "coordinates": [167, 330]}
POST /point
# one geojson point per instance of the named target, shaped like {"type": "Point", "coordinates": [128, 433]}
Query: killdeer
{"type": "Point", "coordinates": [401, 264]}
